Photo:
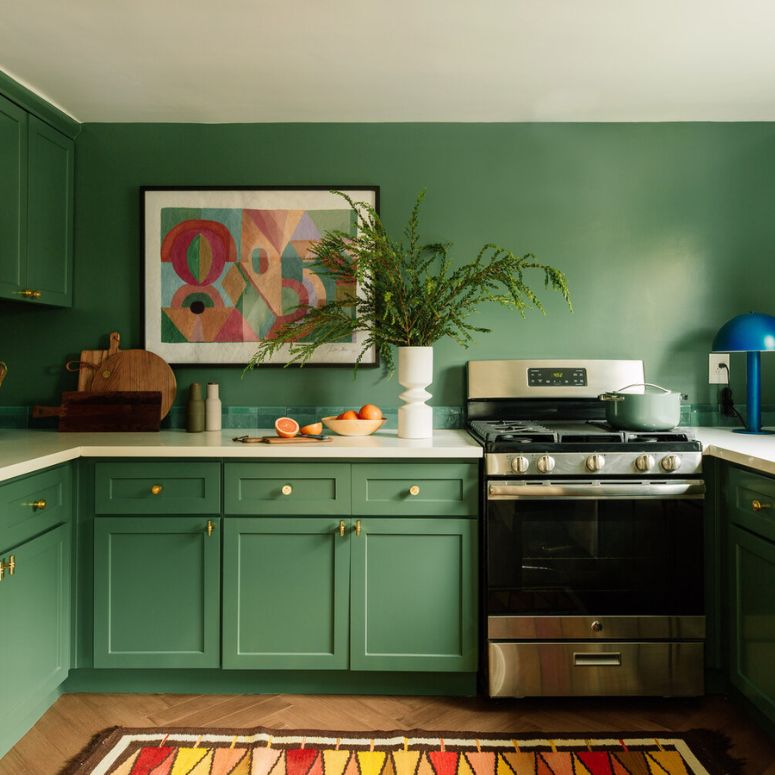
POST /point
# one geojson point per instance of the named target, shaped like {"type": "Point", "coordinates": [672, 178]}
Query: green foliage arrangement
{"type": "Point", "coordinates": [410, 293]}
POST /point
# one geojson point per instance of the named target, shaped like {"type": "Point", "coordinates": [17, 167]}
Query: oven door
{"type": "Point", "coordinates": [591, 549]}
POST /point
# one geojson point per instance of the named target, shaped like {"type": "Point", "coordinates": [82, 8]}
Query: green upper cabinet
{"type": "Point", "coordinates": [157, 592]}
{"type": "Point", "coordinates": [50, 213]}
{"type": "Point", "coordinates": [36, 209]}
{"type": "Point", "coordinates": [413, 595]}
{"type": "Point", "coordinates": [285, 593]}
{"type": "Point", "coordinates": [13, 197]}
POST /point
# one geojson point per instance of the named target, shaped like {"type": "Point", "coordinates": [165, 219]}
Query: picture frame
{"type": "Point", "coordinates": [226, 265]}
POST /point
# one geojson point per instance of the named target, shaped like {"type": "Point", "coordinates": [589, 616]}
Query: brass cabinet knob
{"type": "Point", "coordinates": [357, 527]}
{"type": "Point", "coordinates": [414, 490]}
{"type": "Point", "coordinates": [286, 489]}
{"type": "Point", "coordinates": [11, 565]}
{"type": "Point", "coordinates": [39, 505]}
{"type": "Point", "coordinates": [757, 505]}
{"type": "Point", "coordinates": [341, 528]}
{"type": "Point", "coordinates": [210, 527]}
{"type": "Point", "coordinates": [156, 489]}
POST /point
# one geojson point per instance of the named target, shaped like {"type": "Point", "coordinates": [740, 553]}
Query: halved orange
{"type": "Point", "coordinates": [313, 429]}
{"type": "Point", "coordinates": [286, 427]}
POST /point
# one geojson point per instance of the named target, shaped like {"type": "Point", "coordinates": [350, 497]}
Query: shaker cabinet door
{"type": "Point", "coordinates": [157, 591]}
{"type": "Point", "coordinates": [413, 601]}
{"type": "Point", "coordinates": [285, 593]}
{"type": "Point", "coordinates": [13, 198]}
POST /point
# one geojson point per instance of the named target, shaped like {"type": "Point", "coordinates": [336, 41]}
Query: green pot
{"type": "Point", "coordinates": [659, 410]}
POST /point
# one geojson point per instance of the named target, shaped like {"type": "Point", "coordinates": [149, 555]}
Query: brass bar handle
{"type": "Point", "coordinates": [357, 527]}
{"type": "Point", "coordinates": [11, 565]}
{"type": "Point", "coordinates": [757, 505]}
{"type": "Point", "coordinates": [39, 505]}
{"type": "Point", "coordinates": [414, 489]}
{"type": "Point", "coordinates": [156, 489]}
{"type": "Point", "coordinates": [341, 528]}
{"type": "Point", "coordinates": [210, 527]}
{"type": "Point", "coordinates": [286, 489]}
{"type": "Point", "coordinates": [29, 293]}
{"type": "Point", "coordinates": [2, 569]}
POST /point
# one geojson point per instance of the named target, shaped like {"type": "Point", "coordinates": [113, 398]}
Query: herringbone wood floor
{"type": "Point", "coordinates": [71, 722]}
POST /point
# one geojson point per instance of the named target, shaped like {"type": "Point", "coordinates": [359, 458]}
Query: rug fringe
{"type": "Point", "coordinates": [88, 751]}
{"type": "Point", "coordinates": [715, 747]}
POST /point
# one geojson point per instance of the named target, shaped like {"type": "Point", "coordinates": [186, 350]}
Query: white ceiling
{"type": "Point", "coordinates": [395, 60]}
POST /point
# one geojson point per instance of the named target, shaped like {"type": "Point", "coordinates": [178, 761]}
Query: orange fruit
{"type": "Point", "coordinates": [286, 427]}
{"type": "Point", "coordinates": [348, 415]}
{"type": "Point", "coordinates": [313, 429]}
{"type": "Point", "coordinates": [370, 412]}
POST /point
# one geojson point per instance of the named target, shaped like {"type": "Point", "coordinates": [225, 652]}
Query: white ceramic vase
{"type": "Point", "coordinates": [415, 373]}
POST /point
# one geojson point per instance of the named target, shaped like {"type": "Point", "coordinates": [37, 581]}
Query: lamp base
{"type": "Point", "coordinates": [753, 433]}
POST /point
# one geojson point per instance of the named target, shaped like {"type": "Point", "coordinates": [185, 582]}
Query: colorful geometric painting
{"type": "Point", "coordinates": [251, 752]}
{"type": "Point", "coordinates": [222, 278]}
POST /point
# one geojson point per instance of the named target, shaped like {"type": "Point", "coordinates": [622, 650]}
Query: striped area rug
{"type": "Point", "coordinates": [265, 752]}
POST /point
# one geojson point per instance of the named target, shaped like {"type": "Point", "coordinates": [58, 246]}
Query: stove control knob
{"type": "Point", "coordinates": [545, 464]}
{"type": "Point", "coordinates": [595, 462]}
{"type": "Point", "coordinates": [671, 462]}
{"type": "Point", "coordinates": [520, 464]}
{"type": "Point", "coordinates": [644, 462]}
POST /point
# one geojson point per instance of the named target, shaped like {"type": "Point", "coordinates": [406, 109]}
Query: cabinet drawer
{"type": "Point", "coordinates": [410, 489]}
{"type": "Point", "coordinates": [750, 500]}
{"type": "Point", "coordinates": [287, 488]}
{"type": "Point", "coordinates": [34, 504]}
{"type": "Point", "coordinates": [157, 488]}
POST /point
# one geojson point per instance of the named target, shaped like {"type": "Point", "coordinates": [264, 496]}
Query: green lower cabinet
{"type": "Point", "coordinates": [285, 592]}
{"type": "Point", "coordinates": [157, 591]}
{"type": "Point", "coordinates": [35, 617]}
{"type": "Point", "coordinates": [413, 595]}
{"type": "Point", "coordinates": [752, 613]}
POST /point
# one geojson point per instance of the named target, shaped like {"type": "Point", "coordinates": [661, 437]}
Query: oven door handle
{"type": "Point", "coordinates": [691, 488]}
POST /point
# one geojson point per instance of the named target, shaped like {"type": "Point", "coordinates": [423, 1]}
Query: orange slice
{"type": "Point", "coordinates": [286, 427]}
{"type": "Point", "coordinates": [313, 429]}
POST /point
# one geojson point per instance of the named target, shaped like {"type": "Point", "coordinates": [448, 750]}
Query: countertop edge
{"type": "Point", "coordinates": [740, 458]}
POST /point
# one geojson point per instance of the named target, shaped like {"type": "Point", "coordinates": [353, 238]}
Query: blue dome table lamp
{"type": "Point", "coordinates": [752, 333]}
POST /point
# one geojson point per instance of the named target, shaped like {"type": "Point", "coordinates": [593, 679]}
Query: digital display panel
{"type": "Point", "coordinates": [557, 377]}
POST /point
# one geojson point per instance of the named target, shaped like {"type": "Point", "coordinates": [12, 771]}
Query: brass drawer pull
{"type": "Point", "coordinates": [414, 489]}
{"type": "Point", "coordinates": [210, 527]}
{"type": "Point", "coordinates": [357, 527]}
{"type": "Point", "coordinates": [341, 528]}
{"type": "Point", "coordinates": [39, 505]}
{"type": "Point", "coordinates": [28, 293]}
{"type": "Point", "coordinates": [286, 489]}
{"type": "Point", "coordinates": [11, 565]}
{"type": "Point", "coordinates": [3, 566]}
{"type": "Point", "coordinates": [757, 505]}
{"type": "Point", "coordinates": [156, 489]}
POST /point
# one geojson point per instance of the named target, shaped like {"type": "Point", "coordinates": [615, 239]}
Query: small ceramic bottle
{"type": "Point", "coordinates": [195, 409]}
{"type": "Point", "coordinates": [212, 408]}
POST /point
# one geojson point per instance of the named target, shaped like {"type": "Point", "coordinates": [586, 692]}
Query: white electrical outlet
{"type": "Point", "coordinates": [718, 368]}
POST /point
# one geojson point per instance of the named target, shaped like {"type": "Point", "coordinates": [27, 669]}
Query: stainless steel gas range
{"type": "Point", "coordinates": [592, 537]}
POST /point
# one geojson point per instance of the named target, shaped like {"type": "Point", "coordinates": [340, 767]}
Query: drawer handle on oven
{"type": "Point", "coordinates": [757, 505]}
{"type": "Point", "coordinates": [597, 659]}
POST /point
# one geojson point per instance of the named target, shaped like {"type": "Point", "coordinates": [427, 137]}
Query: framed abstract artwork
{"type": "Point", "coordinates": [226, 267]}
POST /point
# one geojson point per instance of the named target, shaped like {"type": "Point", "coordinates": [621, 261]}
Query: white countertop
{"type": "Point", "coordinates": [754, 451]}
{"type": "Point", "coordinates": [25, 451]}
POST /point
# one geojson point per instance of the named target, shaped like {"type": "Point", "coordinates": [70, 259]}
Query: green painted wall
{"type": "Point", "coordinates": [664, 230]}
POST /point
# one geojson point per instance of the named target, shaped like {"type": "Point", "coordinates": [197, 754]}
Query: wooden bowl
{"type": "Point", "coordinates": [353, 427]}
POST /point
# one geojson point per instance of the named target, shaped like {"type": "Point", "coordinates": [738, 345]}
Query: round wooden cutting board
{"type": "Point", "coordinates": [137, 370]}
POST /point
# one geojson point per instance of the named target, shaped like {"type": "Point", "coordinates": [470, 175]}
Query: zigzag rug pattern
{"type": "Point", "coordinates": [264, 752]}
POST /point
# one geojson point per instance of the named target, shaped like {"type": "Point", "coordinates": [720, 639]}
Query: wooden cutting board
{"type": "Point", "coordinates": [90, 360]}
{"type": "Point", "coordinates": [126, 370]}
{"type": "Point", "coordinates": [280, 440]}
{"type": "Point", "coordinates": [113, 411]}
